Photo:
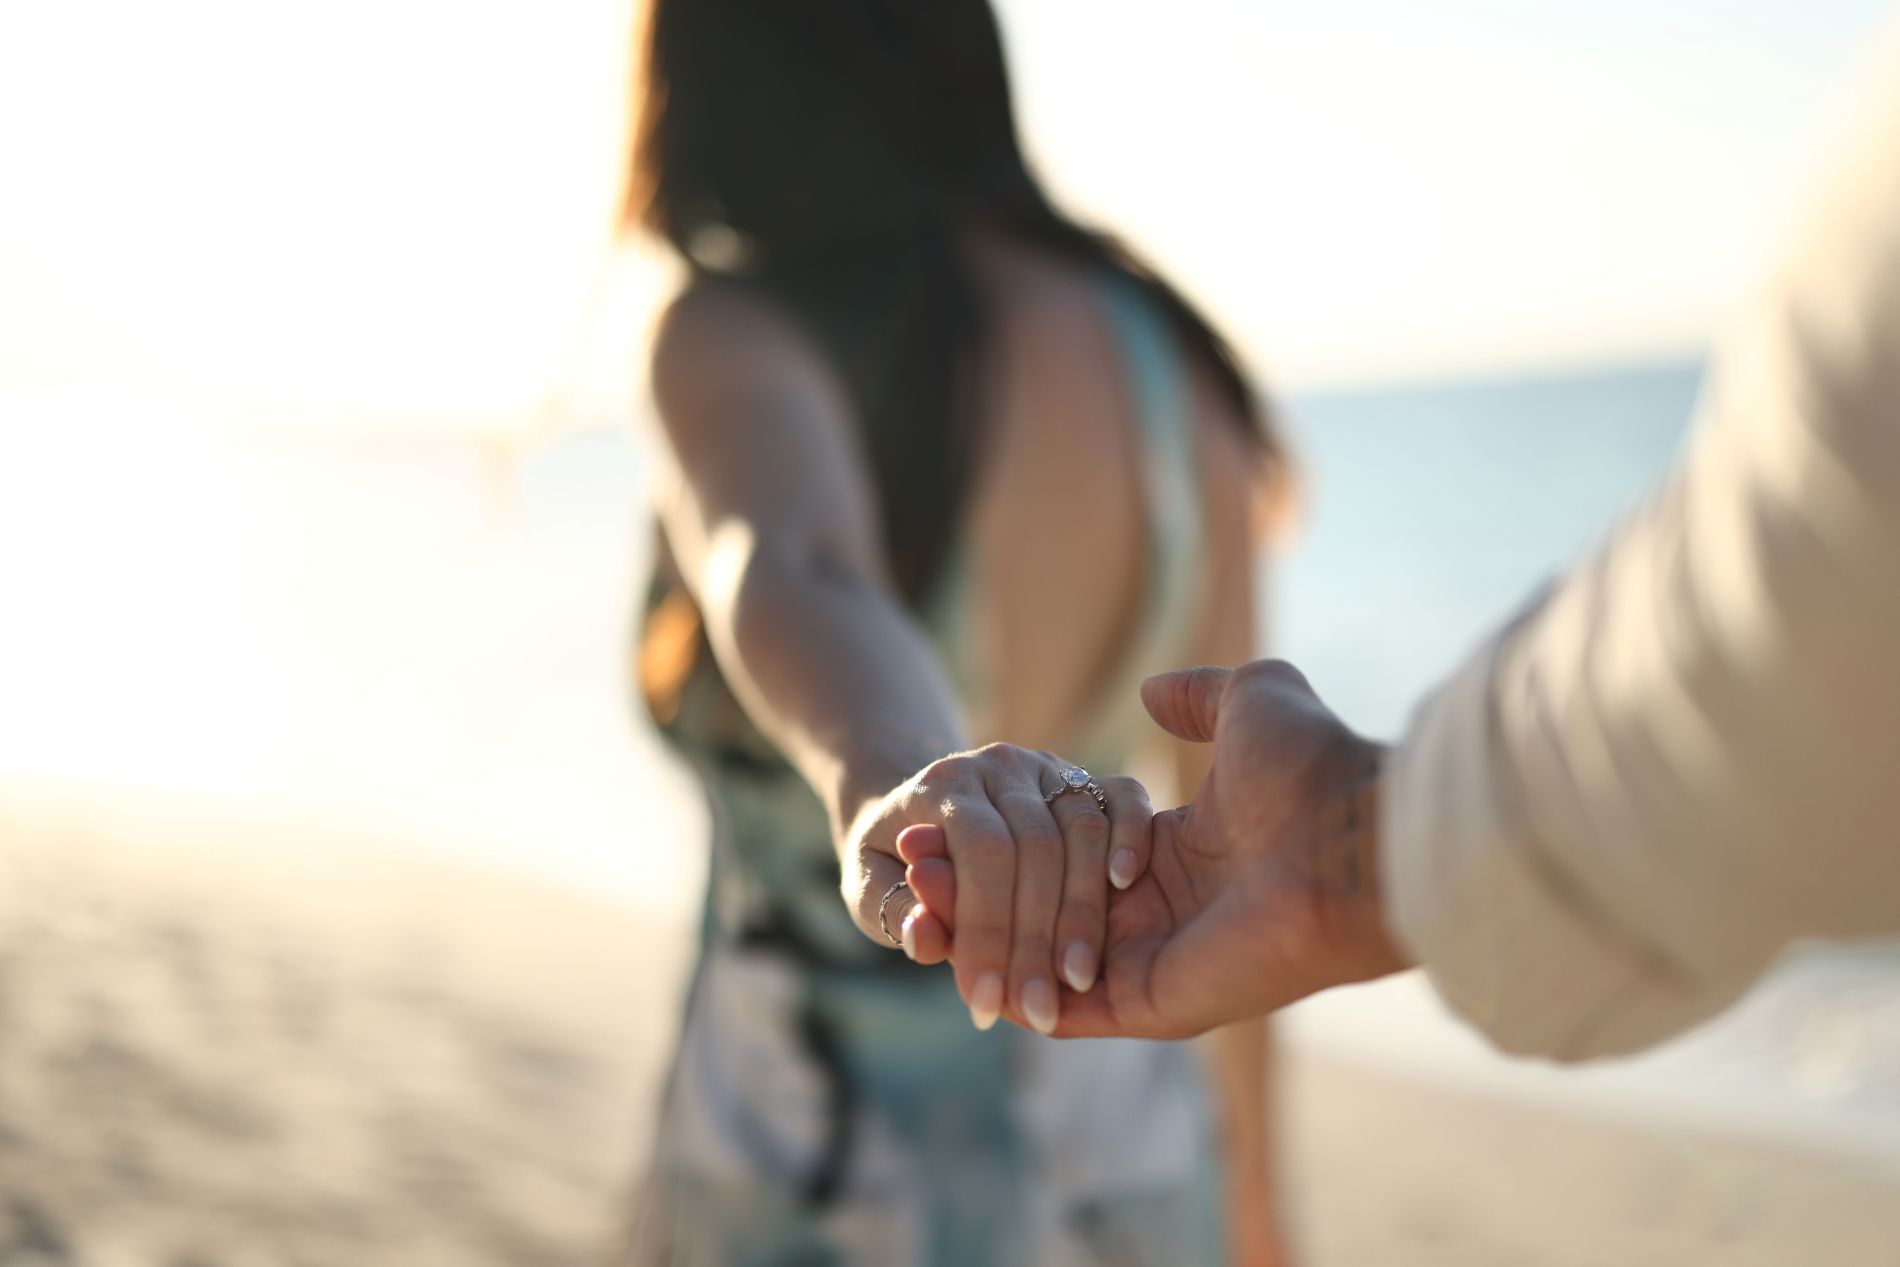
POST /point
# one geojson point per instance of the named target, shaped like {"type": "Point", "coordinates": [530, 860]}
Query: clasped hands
{"type": "Point", "coordinates": [1262, 890]}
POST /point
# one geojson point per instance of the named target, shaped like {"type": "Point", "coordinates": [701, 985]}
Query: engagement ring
{"type": "Point", "coordinates": [1076, 779]}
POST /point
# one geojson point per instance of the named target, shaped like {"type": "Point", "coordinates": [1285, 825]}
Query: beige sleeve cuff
{"type": "Point", "coordinates": [1510, 944]}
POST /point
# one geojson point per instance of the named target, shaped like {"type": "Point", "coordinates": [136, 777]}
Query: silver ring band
{"type": "Point", "coordinates": [883, 905]}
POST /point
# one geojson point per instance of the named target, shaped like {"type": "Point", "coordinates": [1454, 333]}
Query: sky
{"type": "Point", "coordinates": [1380, 188]}
{"type": "Point", "coordinates": [395, 212]}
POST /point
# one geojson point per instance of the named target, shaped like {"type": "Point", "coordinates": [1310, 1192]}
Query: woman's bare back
{"type": "Point", "coordinates": [1058, 534]}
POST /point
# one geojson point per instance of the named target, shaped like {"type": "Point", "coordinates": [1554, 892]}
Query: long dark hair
{"type": "Point", "coordinates": [830, 154]}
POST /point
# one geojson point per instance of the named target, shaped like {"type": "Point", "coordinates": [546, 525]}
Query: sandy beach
{"type": "Point", "coordinates": [239, 1040]}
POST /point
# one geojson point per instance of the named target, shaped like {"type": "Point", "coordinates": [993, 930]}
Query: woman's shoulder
{"type": "Point", "coordinates": [718, 335]}
{"type": "Point", "coordinates": [715, 316]}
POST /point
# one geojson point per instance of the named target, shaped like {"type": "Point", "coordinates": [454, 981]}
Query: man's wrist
{"type": "Point", "coordinates": [1360, 827]}
{"type": "Point", "coordinates": [1359, 853]}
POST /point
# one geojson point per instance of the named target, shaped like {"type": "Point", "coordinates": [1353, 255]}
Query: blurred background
{"type": "Point", "coordinates": [321, 518]}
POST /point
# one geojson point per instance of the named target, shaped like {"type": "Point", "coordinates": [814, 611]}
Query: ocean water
{"type": "Point", "coordinates": [427, 637]}
{"type": "Point", "coordinates": [1431, 511]}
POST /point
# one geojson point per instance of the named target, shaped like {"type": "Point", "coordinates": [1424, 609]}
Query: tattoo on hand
{"type": "Point", "coordinates": [1356, 878]}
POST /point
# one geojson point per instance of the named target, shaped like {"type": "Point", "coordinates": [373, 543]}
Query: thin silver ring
{"type": "Point", "coordinates": [1073, 778]}
{"type": "Point", "coordinates": [883, 903]}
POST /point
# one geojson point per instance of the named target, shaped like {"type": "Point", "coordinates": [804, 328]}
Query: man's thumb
{"type": "Point", "coordinates": [1186, 702]}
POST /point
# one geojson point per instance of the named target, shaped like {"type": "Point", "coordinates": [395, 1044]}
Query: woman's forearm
{"type": "Point", "coordinates": [831, 668]}
{"type": "Point", "coordinates": [773, 524]}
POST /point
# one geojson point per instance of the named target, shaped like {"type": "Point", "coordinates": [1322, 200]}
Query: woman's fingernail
{"type": "Point", "coordinates": [1078, 966]}
{"type": "Point", "coordinates": [986, 1000]}
{"type": "Point", "coordinates": [1121, 868]}
{"type": "Point", "coordinates": [909, 933]}
{"type": "Point", "coordinates": [1039, 1004]}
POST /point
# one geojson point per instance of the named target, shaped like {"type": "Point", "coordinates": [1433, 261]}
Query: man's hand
{"type": "Point", "coordinates": [1265, 888]}
{"type": "Point", "coordinates": [1262, 891]}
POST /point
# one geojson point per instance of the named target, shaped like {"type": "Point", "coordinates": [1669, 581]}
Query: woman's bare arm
{"type": "Point", "coordinates": [774, 526]}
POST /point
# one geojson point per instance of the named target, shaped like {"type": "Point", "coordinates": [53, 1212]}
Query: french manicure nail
{"type": "Point", "coordinates": [986, 1000]}
{"type": "Point", "coordinates": [1039, 1004]}
{"type": "Point", "coordinates": [1121, 868]}
{"type": "Point", "coordinates": [909, 933]}
{"type": "Point", "coordinates": [1078, 966]}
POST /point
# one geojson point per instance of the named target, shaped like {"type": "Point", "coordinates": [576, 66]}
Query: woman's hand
{"type": "Point", "coordinates": [1031, 875]}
